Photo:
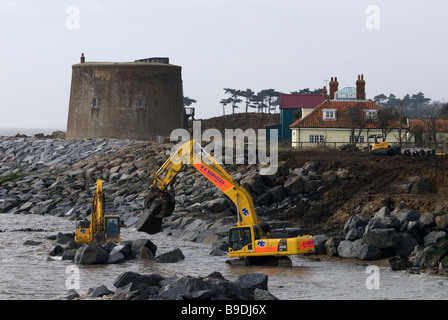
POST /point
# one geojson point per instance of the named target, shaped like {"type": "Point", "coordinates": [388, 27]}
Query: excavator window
{"type": "Point", "coordinates": [112, 227]}
{"type": "Point", "coordinates": [239, 237]}
{"type": "Point", "coordinates": [257, 232]}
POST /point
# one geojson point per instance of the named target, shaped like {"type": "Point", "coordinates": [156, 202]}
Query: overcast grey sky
{"type": "Point", "coordinates": [400, 47]}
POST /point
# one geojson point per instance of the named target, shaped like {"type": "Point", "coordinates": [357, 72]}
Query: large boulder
{"type": "Point", "coordinates": [421, 185]}
{"type": "Point", "coordinates": [129, 277]}
{"type": "Point", "coordinates": [124, 248]}
{"type": "Point", "coordinates": [400, 262]}
{"type": "Point", "coordinates": [143, 247]}
{"type": "Point", "coordinates": [172, 256]}
{"type": "Point", "coordinates": [252, 183]}
{"type": "Point", "coordinates": [252, 281]}
{"type": "Point", "coordinates": [294, 185]}
{"type": "Point", "coordinates": [101, 291]}
{"type": "Point", "coordinates": [260, 294]}
{"type": "Point", "coordinates": [218, 205]}
{"type": "Point", "coordinates": [331, 245]}
{"type": "Point", "coordinates": [173, 287]}
{"type": "Point", "coordinates": [349, 249]}
{"type": "Point", "coordinates": [406, 217]}
{"type": "Point", "coordinates": [263, 199]}
{"type": "Point", "coordinates": [433, 237]}
{"type": "Point", "coordinates": [369, 252]}
{"type": "Point", "coordinates": [355, 234]}
{"type": "Point", "coordinates": [406, 244]}
{"type": "Point", "coordinates": [134, 291]}
{"type": "Point", "coordinates": [319, 243]}
{"type": "Point", "coordinates": [382, 238]}
{"type": "Point", "coordinates": [116, 257]}
{"type": "Point", "coordinates": [354, 222]}
{"type": "Point", "coordinates": [442, 221]}
{"type": "Point", "coordinates": [91, 253]}
{"type": "Point", "coordinates": [150, 220]}
{"type": "Point", "coordinates": [277, 193]}
{"type": "Point", "coordinates": [329, 176]}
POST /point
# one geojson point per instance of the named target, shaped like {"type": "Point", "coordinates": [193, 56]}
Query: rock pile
{"type": "Point", "coordinates": [409, 239]}
{"type": "Point", "coordinates": [135, 286]}
{"type": "Point", "coordinates": [58, 177]}
{"type": "Point", "coordinates": [110, 253]}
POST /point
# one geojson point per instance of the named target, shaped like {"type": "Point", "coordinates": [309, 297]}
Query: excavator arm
{"type": "Point", "coordinates": [206, 165]}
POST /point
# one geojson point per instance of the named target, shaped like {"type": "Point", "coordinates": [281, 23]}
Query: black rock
{"type": "Point", "coordinates": [91, 253]}
{"type": "Point", "coordinates": [140, 244]}
{"type": "Point", "coordinates": [251, 281]}
{"type": "Point", "coordinates": [72, 294]}
{"type": "Point", "coordinates": [56, 251]}
{"type": "Point", "coordinates": [134, 291]}
{"type": "Point", "coordinates": [129, 276]}
{"type": "Point", "coordinates": [63, 238]}
{"type": "Point", "coordinates": [400, 262]}
{"type": "Point", "coordinates": [116, 257]}
{"type": "Point", "coordinates": [382, 238]}
{"type": "Point", "coordinates": [173, 256]}
{"type": "Point", "coordinates": [101, 291]}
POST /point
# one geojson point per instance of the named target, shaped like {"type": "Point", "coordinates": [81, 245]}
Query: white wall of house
{"type": "Point", "coordinates": [335, 137]}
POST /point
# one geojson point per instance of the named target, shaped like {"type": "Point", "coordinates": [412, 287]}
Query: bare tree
{"type": "Point", "coordinates": [357, 121]}
{"type": "Point", "coordinates": [431, 122]}
{"type": "Point", "coordinates": [400, 130]}
{"type": "Point", "coordinates": [386, 120]}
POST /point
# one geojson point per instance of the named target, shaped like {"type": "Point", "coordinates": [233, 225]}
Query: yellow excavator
{"type": "Point", "coordinates": [249, 240]}
{"type": "Point", "coordinates": [382, 148]}
{"type": "Point", "coordinates": [101, 228]}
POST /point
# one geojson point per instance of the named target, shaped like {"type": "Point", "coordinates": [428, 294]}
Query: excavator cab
{"type": "Point", "coordinates": [112, 228]}
{"type": "Point", "coordinates": [242, 238]}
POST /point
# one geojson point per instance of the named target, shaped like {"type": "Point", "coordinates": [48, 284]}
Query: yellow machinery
{"type": "Point", "coordinates": [249, 238]}
{"type": "Point", "coordinates": [382, 148]}
{"type": "Point", "coordinates": [102, 228]}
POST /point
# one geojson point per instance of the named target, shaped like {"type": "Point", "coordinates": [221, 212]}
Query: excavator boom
{"type": "Point", "coordinates": [212, 170]}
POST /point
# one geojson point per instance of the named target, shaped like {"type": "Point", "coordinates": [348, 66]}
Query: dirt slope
{"type": "Point", "coordinates": [373, 183]}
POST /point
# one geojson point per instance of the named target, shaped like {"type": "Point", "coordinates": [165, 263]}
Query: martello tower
{"type": "Point", "coordinates": [126, 100]}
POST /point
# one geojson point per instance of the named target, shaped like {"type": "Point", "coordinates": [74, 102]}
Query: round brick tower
{"type": "Point", "coordinates": [126, 100]}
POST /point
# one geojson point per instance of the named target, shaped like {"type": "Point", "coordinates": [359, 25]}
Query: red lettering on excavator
{"type": "Point", "coordinates": [215, 178]}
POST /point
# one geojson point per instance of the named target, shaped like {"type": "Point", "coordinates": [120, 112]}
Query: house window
{"type": "Point", "coordinates": [317, 138]}
{"type": "Point", "coordinates": [329, 114]}
{"type": "Point", "coordinates": [356, 138]}
{"type": "Point", "coordinates": [372, 114]}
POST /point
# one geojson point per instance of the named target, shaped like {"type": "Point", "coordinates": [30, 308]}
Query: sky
{"type": "Point", "coordinates": [400, 46]}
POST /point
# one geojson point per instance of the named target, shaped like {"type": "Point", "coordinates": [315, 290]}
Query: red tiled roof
{"type": "Point", "coordinates": [315, 118]}
{"type": "Point", "coordinates": [295, 101]}
{"type": "Point", "coordinates": [420, 125]}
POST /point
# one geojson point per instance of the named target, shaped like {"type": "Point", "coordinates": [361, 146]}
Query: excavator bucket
{"type": "Point", "coordinates": [157, 206]}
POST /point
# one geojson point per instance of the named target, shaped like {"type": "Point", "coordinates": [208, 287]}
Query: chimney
{"type": "Point", "coordinates": [83, 59]}
{"type": "Point", "coordinates": [334, 85]}
{"type": "Point", "coordinates": [360, 88]}
{"type": "Point", "coordinates": [324, 91]}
